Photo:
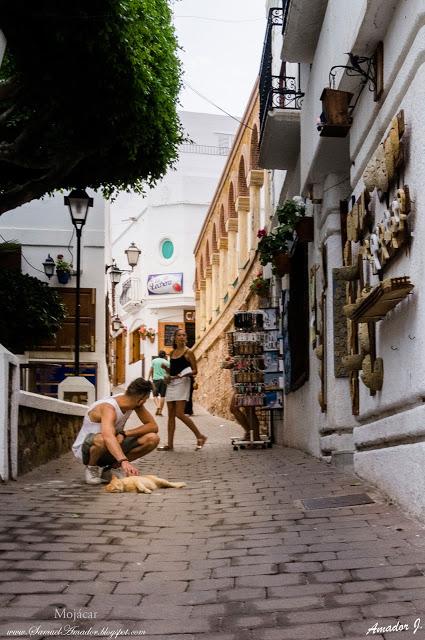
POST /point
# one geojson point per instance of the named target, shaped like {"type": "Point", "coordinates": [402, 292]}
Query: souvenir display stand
{"type": "Point", "coordinates": [246, 351]}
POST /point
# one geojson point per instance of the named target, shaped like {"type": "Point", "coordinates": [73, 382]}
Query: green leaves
{"type": "Point", "coordinates": [32, 312]}
{"type": "Point", "coordinates": [98, 96]}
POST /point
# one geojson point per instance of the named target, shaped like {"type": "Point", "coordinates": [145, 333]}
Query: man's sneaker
{"type": "Point", "coordinates": [93, 475]}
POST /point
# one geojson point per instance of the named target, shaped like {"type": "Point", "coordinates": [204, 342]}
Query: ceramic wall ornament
{"type": "Point", "coordinates": [380, 171]}
{"type": "Point", "coordinates": [372, 241]}
{"type": "Point", "coordinates": [381, 174]}
{"type": "Point", "coordinates": [389, 157]}
{"type": "Point", "coordinates": [364, 340]}
{"type": "Point", "coordinates": [314, 331]}
{"type": "Point", "coordinates": [340, 333]}
{"type": "Point", "coordinates": [376, 302]}
{"type": "Point", "coordinates": [389, 234]}
{"type": "Point", "coordinates": [369, 175]}
{"type": "Point", "coordinates": [358, 218]}
{"type": "Point", "coordinates": [373, 373]}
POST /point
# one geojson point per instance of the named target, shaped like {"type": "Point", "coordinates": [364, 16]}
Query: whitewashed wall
{"type": "Point", "coordinates": [175, 209]}
{"type": "Point", "coordinates": [391, 424]}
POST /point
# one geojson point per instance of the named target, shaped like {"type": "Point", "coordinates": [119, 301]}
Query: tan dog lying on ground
{"type": "Point", "coordinates": [140, 484]}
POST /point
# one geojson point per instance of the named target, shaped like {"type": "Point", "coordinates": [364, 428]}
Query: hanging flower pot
{"type": "Point", "coordinates": [143, 331]}
{"type": "Point", "coordinates": [305, 229]}
{"type": "Point", "coordinates": [260, 286]}
{"type": "Point", "coordinates": [335, 120]}
{"type": "Point", "coordinates": [63, 276]}
{"type": "Point", "coordinates": [150, 334]}
{"type": "Point", "coordinates": [282, 263]}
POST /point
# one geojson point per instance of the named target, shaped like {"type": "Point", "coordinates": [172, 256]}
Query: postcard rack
{"type": "Point", "coordinates": [245, 347]}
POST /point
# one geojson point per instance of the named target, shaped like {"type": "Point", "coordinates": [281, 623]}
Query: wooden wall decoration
{"type": "Point", "coordinates": [370, 246]}
{"type": "Point", "coordinates": [320, 349]}
{"type": "Point", "coordinates": [339, 322]}
{"type": "Point", "coordinates": [314, 330]}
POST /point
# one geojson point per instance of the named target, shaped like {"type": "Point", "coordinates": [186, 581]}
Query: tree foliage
{"type": "Point", "coordinates": [32, 312]}
{"type": "Point", "coordinates": [88, 96]}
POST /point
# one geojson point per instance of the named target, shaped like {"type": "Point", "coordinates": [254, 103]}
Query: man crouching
{"type": "Point", "coordinates": [102, 442]}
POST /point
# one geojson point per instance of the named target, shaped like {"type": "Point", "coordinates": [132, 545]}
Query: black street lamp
{"type": "Point", "coordinates": [78, 203]}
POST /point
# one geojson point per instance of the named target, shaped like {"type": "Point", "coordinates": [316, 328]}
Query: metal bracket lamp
{"type": "Point", "coordinates": [114, 272]}
{"type": "Point", "coordinates": [133, 254]}
{"type": "Point", "coordinates": [49, 266]}
{"type": "Point", "coordinates": [116, 324]}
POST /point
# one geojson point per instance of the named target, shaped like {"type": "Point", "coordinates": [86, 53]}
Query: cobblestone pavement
{"type": "Point", "coordinates": [232, 557]}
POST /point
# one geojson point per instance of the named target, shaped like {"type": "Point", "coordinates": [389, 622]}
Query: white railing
{"type": "Point", "coordinates": [131, 293]}
{"type": "Point", "coordinates": [9, 403]}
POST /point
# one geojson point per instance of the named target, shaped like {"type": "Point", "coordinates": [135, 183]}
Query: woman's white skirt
{"type": "Point", "coordinates": [178, 390]}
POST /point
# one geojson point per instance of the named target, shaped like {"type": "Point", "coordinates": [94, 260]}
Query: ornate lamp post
{"type": "Point", "coordinates": [78, 203]}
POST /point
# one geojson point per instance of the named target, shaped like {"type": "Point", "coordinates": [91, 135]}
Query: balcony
{"type": "Point", "coordinates": [280, 106]}
{"type": "Point", "coordinates": [130, 297]}
{"type": "Point", "coordinates": [301, 29]}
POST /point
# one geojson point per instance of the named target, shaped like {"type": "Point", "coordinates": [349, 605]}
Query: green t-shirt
{"type": "Point", "coordinates": [158, 373]}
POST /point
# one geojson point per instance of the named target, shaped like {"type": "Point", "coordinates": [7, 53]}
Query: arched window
{"type": "Point", "coordinates": [222, 223]}
{"type": "Point", "coordinates": [231, 202]}
{"type": "Point", "coordinates": [242, 186]}
{"type": "Point", "coordinates": [254, 151]}
{"type": "Point", "coordinates": [214, 240]}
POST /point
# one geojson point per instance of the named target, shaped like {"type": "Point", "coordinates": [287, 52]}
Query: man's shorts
{"type": "Point", "coordinates": [106, 459]}
{"type": "Point", "coordinates": [159, 388]}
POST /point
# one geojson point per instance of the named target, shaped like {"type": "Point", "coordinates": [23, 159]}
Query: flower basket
{"type": "Point", "coordinates": [282, 263]}
{"type": "Point", "coordinates": [63, 276]}
{"type": "Point", "coordinates": [63, 269]}
{"type": "Point", "coordinates": [150, 334]}
{"type": "Point", "coordinates": [305, 229]}
{"type": "Point", "coordinates": [260, 286]}
{"type": "Point", "coordinates": [336, 120]}
{"type": "Point", "coordinates": [143, 332]}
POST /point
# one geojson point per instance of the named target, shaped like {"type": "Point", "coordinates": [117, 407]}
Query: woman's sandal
{"type": "Point", "coordinates": [200, 443]}
{"type": "Point", "coordinates": [165, 447]}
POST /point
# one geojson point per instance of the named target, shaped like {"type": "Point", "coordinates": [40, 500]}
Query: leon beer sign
{"type": "Point", "coordinates": [163, 283]}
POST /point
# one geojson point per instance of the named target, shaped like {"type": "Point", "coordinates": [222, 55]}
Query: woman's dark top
{"type": "Point", "coordinates": [178, 364]}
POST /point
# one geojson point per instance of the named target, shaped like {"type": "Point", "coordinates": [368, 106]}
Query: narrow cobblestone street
{"type": "Point", "coordinates": [233, 557]}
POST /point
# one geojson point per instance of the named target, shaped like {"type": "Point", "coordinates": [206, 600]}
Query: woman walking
{"type": "Point", "coordinates": [182, 366]}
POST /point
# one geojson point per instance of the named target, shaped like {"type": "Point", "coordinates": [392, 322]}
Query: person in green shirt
{"type": "Point", "coordinates": [158, 374]}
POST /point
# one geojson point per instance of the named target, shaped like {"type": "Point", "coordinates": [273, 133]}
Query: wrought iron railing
{"type": "Point", "coordinates": [204, 149]}
{"type": "Point", "coordinates": [130, 292]}
{"type": "Point", "coordinates": [276, 92]}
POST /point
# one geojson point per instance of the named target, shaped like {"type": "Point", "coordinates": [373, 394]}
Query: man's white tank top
{"type": "Point", "coordinates": [95, 427]}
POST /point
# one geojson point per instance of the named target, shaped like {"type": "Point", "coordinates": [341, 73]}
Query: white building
{"type": "Point", "coordinates": [44, 227]}
{"type": "Point", "coordinates": [164, 224]}
{"type": "Point", "coordinates": [354, 171]}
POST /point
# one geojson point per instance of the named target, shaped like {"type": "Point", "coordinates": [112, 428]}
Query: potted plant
{"type": "Point", "coordinates": [143, 331]}
{"type": "Point", "coordinates": [260, 286]}
{"type": "Point", "coordinates": [63, 269]}
{"type": "Point", "coordinates": [150, 333]}
{"type": "Point", "coordinates": [335, 119]}
{"type": "Point", "coordinates": [292, 213]}
{"type": "Point", "coordinates": [274, 247]}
